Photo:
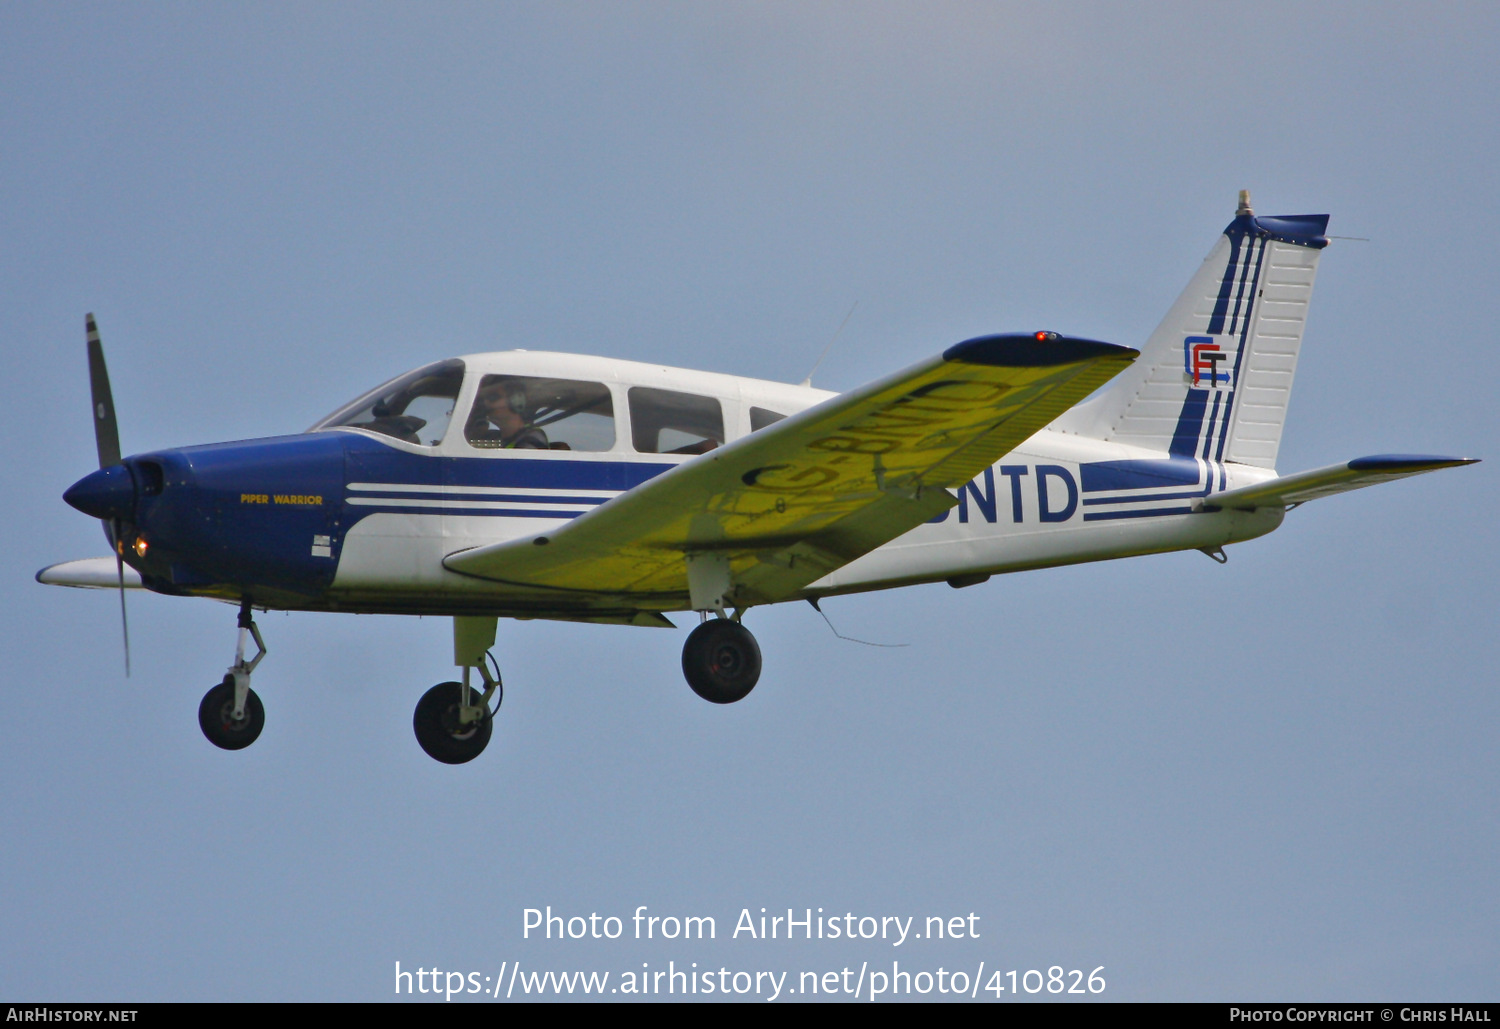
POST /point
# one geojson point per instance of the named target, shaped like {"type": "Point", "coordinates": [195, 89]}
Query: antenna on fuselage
{"type": "Point", "coordinates": [808, 381]}
{"type": "Point", "coordinates": [818, 608]}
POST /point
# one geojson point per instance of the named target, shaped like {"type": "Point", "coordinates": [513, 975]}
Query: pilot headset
{"type": "Point", "coordinates": [514, 393]}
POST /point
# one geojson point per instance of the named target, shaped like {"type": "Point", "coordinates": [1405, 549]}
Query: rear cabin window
{"type": "Point", "coordinates": [760, 418]}
{"type": "Point", "coordinates": [527, 412]}
{"type": "Point", "coordinates": [663, 421]}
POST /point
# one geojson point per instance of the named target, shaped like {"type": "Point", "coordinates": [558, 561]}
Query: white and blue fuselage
{"type": "Point", "coordinates": [346, 518]}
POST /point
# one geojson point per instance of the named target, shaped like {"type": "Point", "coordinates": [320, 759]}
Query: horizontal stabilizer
{"type": "Point", "coordinates": [1325, 482]}
{"type": "Point", "coordinates": [94, 573]}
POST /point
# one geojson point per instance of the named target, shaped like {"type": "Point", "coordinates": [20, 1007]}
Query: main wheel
{"type": "Point", "coordinates": [439, 731]}
{"type": "Point", "coordinates": [721, 661]}
{"type": "Point", "coordinates": [216, 717]}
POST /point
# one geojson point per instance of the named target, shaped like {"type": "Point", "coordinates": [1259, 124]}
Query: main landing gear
{"type": "Point", "coordinates": [721, 661]}
{"type": "Point", "coordinates": [453, 720]}
{"type": "Point", "coordinates": [231, 715]}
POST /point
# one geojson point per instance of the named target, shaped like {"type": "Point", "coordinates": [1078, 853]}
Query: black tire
{"type": "Point", "coordinates": [721, 661]}
{"type": "Point", "coordinates": [215, 717]}
{"type": "Point", "coordinates": [438, 730]}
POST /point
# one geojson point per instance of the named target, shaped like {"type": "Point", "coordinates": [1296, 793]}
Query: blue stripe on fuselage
{"type": "Point", "coordinates": [1106, 476]}
{"type": "Point", "coordinates": [373, 464]}
{"type": "Point", "coordinates": [1154, 512]}
{"type": "Point", "coordinates": [370, 461]}
{"type": "Point", "coordinates": [1126, 478]}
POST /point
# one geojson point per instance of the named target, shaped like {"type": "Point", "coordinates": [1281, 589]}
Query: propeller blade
{"type": "Point", "coordinates": [106, 430]}
{"type": "Point", "coordinates": [120, 571]}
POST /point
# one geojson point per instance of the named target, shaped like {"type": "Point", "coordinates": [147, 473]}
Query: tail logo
{"type": "Point", "coordinates": [1201, 359]}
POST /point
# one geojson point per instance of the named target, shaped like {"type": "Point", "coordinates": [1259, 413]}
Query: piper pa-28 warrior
{"type": "Point", "coordinates": [543, 485]}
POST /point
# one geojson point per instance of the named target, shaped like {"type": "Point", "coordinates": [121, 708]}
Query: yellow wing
{"type": "Point", "coordinates": [789, 504]}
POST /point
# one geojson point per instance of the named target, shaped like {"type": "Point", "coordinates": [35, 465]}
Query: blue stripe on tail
{"type": "Point", "coordinates": [1189, 424]}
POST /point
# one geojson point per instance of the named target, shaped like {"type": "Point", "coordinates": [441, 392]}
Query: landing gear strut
{"type": "Point", "coordinates": [231, 715]}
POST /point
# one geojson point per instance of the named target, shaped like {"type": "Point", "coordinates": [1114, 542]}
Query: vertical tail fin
{"type": "Point", "coordinates": [1214, 378]}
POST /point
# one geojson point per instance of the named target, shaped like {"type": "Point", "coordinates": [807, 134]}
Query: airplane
{"type": "Point", "coordinates": [527, 484]}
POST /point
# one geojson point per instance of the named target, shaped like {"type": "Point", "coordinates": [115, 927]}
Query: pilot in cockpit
{"type": "Point", "coordinates": [500, 420]}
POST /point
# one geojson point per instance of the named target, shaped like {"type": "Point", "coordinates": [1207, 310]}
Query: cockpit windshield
{"type": "Point", "coordinates": [415, 408]}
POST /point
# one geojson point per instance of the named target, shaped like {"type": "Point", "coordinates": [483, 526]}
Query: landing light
{"type": "Point", "coordinates": [141, 546]}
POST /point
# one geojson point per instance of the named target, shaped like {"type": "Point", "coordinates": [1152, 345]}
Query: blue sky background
{"type": "Point", "coordinates": [1275, 779]}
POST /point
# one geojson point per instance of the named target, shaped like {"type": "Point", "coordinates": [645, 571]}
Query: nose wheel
{"type": "Point", "coordinates": [721, 661]}
{"type": "Point", "coordinates": [217, 718]}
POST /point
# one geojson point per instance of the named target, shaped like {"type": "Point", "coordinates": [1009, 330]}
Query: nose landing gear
{"type": "Point", "coordinates": [219, 723]}
{"type": "Point", "coordinates": [231, 715]}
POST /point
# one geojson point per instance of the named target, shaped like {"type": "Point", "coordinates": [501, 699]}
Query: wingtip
{"type": "Point", "coordinates": [1407, 463]}
{"type": "Point", "coordinates": [1035, 350]}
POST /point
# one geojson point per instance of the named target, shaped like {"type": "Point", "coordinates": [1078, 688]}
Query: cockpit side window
{"type": "Point", "coordinates": [415, 408]}
{"type": "Point", "coordinates": [663, 421]}
{"type": "Point", "coordinates": [528, 412]}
